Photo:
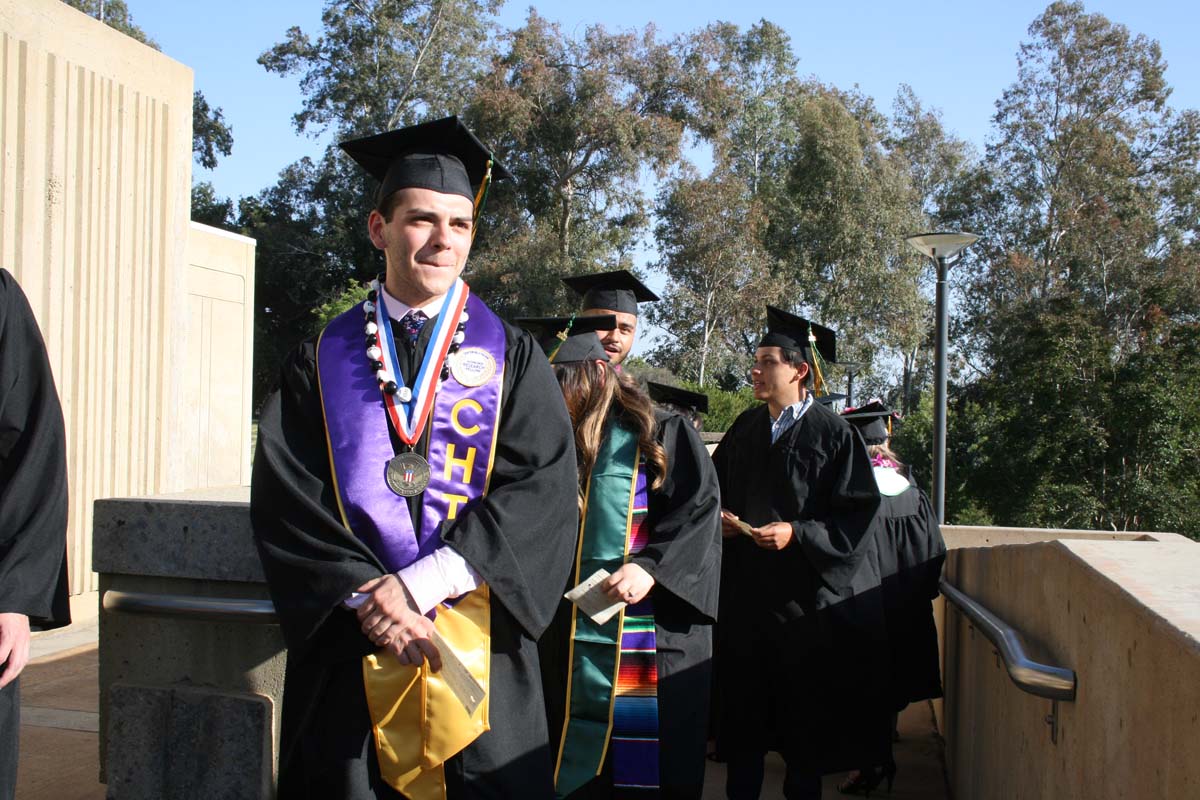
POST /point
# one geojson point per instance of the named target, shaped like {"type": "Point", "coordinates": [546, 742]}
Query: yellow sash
{"type": "Point", "coordinates": [405, 701]}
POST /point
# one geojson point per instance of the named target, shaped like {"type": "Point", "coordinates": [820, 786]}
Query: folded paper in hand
{"type": "Point", "coordinates": [454, 672]}
{"type": "Point", "coordinates": [593, 601]}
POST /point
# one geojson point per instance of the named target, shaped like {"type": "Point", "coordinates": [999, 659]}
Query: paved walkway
{"type": "Point", "coordinates": [60, 724]}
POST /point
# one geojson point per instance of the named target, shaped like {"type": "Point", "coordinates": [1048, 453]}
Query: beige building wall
{"type": "Point", "coordinates": [95, 176]}
{"type": "Point", "coordinates": [216, 404]}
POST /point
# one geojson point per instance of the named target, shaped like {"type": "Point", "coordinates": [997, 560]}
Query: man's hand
{"type": "Point", "coordinates": [630, 583]}
{"type": "Point", "coordinates": [391, 619]}
{"type": "Point", "coordinates": [728, 529]}
{"type": "Point", "coordinates": [14, 646]}
{"type": "Point", "coordinates": [773, 535]}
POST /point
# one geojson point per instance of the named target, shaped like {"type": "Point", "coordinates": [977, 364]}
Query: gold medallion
{"type": "Point", "coordinates": [408, 474]}
{"type": "Point", "coordinates": [473, 366]}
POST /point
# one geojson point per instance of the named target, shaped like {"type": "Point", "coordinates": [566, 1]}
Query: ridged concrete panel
{"type": "Point", "coordinates": [95, 170]}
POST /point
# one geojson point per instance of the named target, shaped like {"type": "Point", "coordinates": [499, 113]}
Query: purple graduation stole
{"type": "Point", "coordinates": [416, 720]}
{"type": "Point", "coordinates": [461, 438]}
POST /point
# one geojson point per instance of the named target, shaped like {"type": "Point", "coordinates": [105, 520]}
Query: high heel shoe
{"type": "Point", "coordinates": [867, 780]}
{"type": "Point", "coordinates": [888, 772]}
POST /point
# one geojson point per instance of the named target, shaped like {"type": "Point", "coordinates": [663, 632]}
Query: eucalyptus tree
{"type": "Point", "coordinates": [1080, 300]}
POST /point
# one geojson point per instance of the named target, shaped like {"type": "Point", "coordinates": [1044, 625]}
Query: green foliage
{"type": "Point", "coordinates": [210, 209]}
{"type": "Point", "coordinates": [350, 296]}
{"type": "Point", "coordinates": [210, 134]}
{"type": "Point", "coordinates": [710, 240]}
{"type": "Point", "coordinates": [577, 121]}
{"type": "Point", "coordinates": [1079, 303]}
{"type": "Point", "coordinates": [723, 406]}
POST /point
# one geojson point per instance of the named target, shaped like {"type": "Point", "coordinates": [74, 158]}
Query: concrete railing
{"type": "Point", "coordinates": [189, 697]}
{"type": "Point", "coordinates": [1120, 609]}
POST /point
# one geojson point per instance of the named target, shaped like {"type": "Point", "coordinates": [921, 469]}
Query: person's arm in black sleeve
{"type": "Point", "coordinates": [33, 485]}
{"type": "Point", "coordinates": [835, 543]}
{"type": "Point", "coordinates": [683, 553]}
{"type": "Point", "coordinates": [311, 560]}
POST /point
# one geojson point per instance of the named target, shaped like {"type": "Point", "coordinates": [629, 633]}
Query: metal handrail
{"type": "Point", "coordinates": [1043, 680]}
{"type": "Point", "coordinates": [201, 609]}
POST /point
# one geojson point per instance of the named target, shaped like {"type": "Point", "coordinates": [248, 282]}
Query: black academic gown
{"type": "Point", "coordinates": [33, 495]}
{"type": "Point", "coordinates": [520, 538]}
{"type": "Point", "coordinates": [683, 556]}
{"type": "Point", "coordinates": [802, 649]}
{"type": "Point", "coordinates": [911, 552]}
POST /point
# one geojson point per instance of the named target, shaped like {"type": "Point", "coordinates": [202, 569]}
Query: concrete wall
{"type": "Point", "coordinates": [219, 358]}
{"type": "Point", "coordinates": [1125, 615]}
{"type": "Point", "coordinates": [95, 177]}
{"type": "Point", "coordinates": [170, 681]}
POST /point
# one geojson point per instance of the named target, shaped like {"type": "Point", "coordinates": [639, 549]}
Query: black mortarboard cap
{"type": "Point", "coordinates": [665, 393]}
{"type": "Point", "coordinates": [619, 290]}
{"type": "Point", "coordinates": [830, 399]}
{"type": "Point", "coordinates": [871, 420]}
{"type": "Point", "coordinates": [566, 340]}
{"type": "Point", "coordinates": [789, 331]}
{"type": "Point", "coordinates": [441, 155]}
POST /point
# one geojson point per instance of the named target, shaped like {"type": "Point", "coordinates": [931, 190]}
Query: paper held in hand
{"type": "Point", "coordinates": [592, 600]}
{"type": "Point", "coordinates": [742, 526]}
{"type": "Point", "coordinates": [457, 677]}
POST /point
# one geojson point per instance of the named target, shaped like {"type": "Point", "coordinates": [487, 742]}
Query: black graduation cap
{"type": "Point", "coordinates": [830, 399]}
{"type": "Point", "coordinates": [665, 393]}
{"type": "Point", "coordinates": [619, 290]}
{"type": "Point", "coordinates": [570, 339]}
{"type": "Point", "coordinates": [441, 155]}
{"type": "Point", "coordinates": [871, 420]}
{"type": "Point", "coordinates": [789, 331]}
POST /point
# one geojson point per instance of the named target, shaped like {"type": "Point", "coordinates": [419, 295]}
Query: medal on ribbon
{"type": "Point", "coordinates": [408, 473]}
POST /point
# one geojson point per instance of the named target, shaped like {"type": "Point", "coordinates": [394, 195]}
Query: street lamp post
{"type": "Point", "coordinates": [851, 369]}
{"type": "Point", "coordinates": [941, 247]}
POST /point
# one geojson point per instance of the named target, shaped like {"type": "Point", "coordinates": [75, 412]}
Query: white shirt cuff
{"type": "Point", "coordinates": [439, 575]}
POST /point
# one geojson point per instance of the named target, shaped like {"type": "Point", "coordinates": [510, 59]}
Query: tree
{"type": "Point", "coordinates": [709, 236]}
{"type": "Point", "coordinates": [210, 134]}
{"type": "Point", "coordinates": [738, 85]}
{"type": "Point", "coordinates": [936, 161]}
{"type": "Point", "coordinates": [209, 209]}
{"type": "Point", "coordinates": [382, 64]}
{"type": "Point", "coordinates": [1085, 279]}
{"type": "Point", "coordinates": [839, 212]}
{"type": "Point", "coordinates": [577, 121]}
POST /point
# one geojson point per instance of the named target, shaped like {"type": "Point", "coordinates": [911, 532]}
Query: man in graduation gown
{"type": "Point", "coordinates": [642, 735]}
{"type": "Point", "coordinates": [413, 500]}
{"type": "Point", "coordinates": [800, 641]}
{"type": "Point", "coordinates": [617, 293]}
{"type": "Point", "coordinates": [33, 508]}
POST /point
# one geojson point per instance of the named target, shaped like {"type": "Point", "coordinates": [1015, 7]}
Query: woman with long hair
{"type": "Point", "coordinates": [627, 696]}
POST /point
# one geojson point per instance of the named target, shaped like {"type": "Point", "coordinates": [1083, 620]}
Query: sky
{"type": "Point", "coordinates": [957, 56]}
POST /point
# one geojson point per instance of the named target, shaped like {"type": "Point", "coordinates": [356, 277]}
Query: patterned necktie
{"type": "Point", "coordinates": [412, 323]}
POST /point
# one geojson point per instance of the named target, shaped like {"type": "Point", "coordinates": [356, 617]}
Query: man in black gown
{"type": "Point", "coordinates": [800, 621]}
{"type": "Point", "coordinates": [343, 587]}
{"type": "Point", "coordinates": [33, 508]}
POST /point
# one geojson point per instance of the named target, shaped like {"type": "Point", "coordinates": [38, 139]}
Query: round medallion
{"type": "Point", "coordinates": [473, 366]}
{"type": "Point", "coordinates": [408, 474]}
{"type": "Point", "coordinates": [404, 394]}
